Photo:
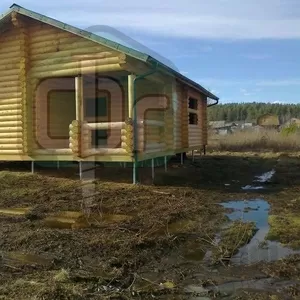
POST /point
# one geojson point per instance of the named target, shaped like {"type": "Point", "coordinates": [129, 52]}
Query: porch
{"type": "Point", "coordinates": [90, 118]}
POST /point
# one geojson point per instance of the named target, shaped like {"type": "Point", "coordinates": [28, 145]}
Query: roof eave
{"type": "Point", "coordinates": [183, 78]}
{"type": "Point", "coordinates": [80, 32]}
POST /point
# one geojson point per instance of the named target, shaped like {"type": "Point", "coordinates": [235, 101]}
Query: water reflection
{"type": "Point", "coordinates": [258, 249]}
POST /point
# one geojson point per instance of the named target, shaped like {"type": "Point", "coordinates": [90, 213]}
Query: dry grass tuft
{"type": "Point", "coordinates": [62, 276]}
{"type": "Point", "coordinates": [288, 268]}
{"type": "Point", "coordinates": [233, 238]}
{"type": "Point", "coordinates": [256, 142]}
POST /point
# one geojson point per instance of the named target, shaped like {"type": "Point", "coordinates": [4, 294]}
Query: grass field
{"type": "Point", "coordinates": [252, 141]}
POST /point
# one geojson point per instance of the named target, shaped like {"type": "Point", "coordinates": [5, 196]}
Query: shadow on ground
{"type": "Point", "coordinates": [213, 172]}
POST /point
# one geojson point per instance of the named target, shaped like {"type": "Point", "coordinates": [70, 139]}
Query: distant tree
{"type": "Point", "coordinates": [251, 111]}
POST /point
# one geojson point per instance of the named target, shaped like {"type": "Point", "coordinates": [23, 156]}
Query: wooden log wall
{"type": "Point", "coordinates": [75, 136]}
{"type": "Point", "coordinates": [127, 137]}
{"type": "Point", "coordinates": [176, 98]}
{"type": "Point", "coordinates": [187, 135]}
{"type": "Point", "coordinates": [56, 53]}
{"type": "Point", "coordinates": [203, 120]}
{"type": "Point", "coordinates": [12, 70]}
{"type": "Point", "coordinates": [184, 118]}
{"type": "Point", "coordinates": [154, 106]}
{"type": "Point", "coordinates": [25, 87]}
{"type": "Point", "coordinates": [197, 133]}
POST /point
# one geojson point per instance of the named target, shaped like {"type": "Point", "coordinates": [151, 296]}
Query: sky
{"type": "Point", "coordinates": [241, 50]}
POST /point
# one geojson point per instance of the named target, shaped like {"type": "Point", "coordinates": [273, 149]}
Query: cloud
{"type": "Point", "coordinates": [283, 82]}
{"type": "Point", "coordinates": [221, 82]}
{"type": "Point", "coordinates": [214, 19]}
{"type": "Point", "coordinates": [214, 92]}
{"type": "Point", "coordinates": [278, 102]}
{"type": "Point", "coordinates": [205, 49]}
{"type": "Point", "coordinates": [257, 56]}
{"type": "Point", "coordinates": [193, 53]}
{"type": "Point", "coordinates": [257, 84]}
{"type": "Point", "coordinates": [184, 72]}
{"type": "Point", "coordinates": [184, 55]}
{"type": "Point", "coordinates": [245, 92]}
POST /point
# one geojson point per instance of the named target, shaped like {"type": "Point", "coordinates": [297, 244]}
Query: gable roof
{"type": "Point", "coordinates": [106, 42]}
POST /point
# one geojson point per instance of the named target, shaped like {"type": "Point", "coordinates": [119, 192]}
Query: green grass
{"type": "Point", "coordinates": [285, 228]}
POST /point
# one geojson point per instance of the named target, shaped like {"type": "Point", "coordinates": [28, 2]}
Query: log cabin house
{"type": "Point", "coordinates": [70, 95]}
{"type": "Point", "coordinates": [268, 121]}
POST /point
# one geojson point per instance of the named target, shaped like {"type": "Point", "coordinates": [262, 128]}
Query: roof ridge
{"type": "Point", "coordinates": [15, 4]}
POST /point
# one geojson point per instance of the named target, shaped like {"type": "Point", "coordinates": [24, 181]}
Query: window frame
{"type": "Point", "coordinates": [193, 111]}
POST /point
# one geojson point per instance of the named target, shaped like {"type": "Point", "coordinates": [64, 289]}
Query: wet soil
{"type": "Point", "coordinates": [65, 239]}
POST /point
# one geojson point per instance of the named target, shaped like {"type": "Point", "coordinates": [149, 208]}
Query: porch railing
{"type": "Point", "coordinates": [80, 141]}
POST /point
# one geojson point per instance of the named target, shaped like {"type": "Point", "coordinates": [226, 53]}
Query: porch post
{"type": "Point", "coordinates": [79, 112]}
{"type": "Point", "coordinates": [130, 95]}
{"type": "Point", "coordinates": [79, 97]}
{"type": "Point", "coordinates": [79, 108]}
{"type": "Point", "coordinates": [80, 170]}
{"type": "Point", "coordinates": [152, 168]}
{"type": "Point", "coordinates": [131, 116]}
{"type": "Point", "coordinates": [166, 164]}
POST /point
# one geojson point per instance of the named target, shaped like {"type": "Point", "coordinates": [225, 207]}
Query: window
{"type": "Point", "coordinates": [193, 111]}
{"type": "Point", "coordinates": [96, 108]}
{"type": "Point", "coordinates": [193, 103]}
{"type": "Point", "coordinates": [193, 119]}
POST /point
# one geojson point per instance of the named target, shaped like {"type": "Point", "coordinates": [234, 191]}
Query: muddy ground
{"type": "Point", "coordinates": [65, 239]}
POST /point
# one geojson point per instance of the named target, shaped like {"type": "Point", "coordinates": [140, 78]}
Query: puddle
{"type": "Point", "coordinates": [258, 248]}
{"type": "Point", "coordinates": [194, 251]}
{"type": "Point", "coordinates": [264, 178]}
{"type": "Point", "coordinates": [175, 227]}
{"type": "Point", "coordinates": [77, 220]}
{"type": "Point", "coordinates": [251, 187]}
{"type": "Point", "coordinates": [229, 288]}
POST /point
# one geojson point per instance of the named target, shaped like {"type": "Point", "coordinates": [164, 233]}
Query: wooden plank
{"type": "Point", "coordinates": [131, 99]}
{"type": "Point", "coordinates": [76, 71]}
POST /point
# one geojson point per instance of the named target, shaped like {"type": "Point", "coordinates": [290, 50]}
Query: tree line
{"type": "Point", "coordinates": [251, 111]}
